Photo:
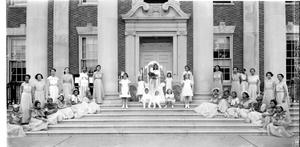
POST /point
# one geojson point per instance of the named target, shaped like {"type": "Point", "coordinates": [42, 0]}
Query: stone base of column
{"type": "Point", "coordinates": [198, 98]}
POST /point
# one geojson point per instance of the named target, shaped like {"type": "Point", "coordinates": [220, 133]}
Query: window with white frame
{"type": "Point", "coordinates": [292, 56]}
{"type": "Point", "coordinates": [88, 52]}
{"type": "Point", "coordinates": [18, 2]}
{"type": "Point", "coordinates": [88, 2]}
{"type": "Point", "coordinates": [223, 54]}
{"type": "Point", "coordinates": [17, 61]}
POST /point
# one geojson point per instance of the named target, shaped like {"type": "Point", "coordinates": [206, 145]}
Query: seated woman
{"type": "Point", "coordinates": [231, 111]}
{"type": "Point", "coordinates": [256, 111]}
{"type": "Point", "coordinates": [14, 128]}
{"type": "Point", "coordinates": [38, 120]}
{"type": "Point", "coordinates": [64, 107]}
{"type": "Point", "coordinates": [93, 107]}
{"type": "Point", "coordinates": [268, 114]}
{"type": "Point", "coordinates": [280, 124]}
{"type": "Point", "coordinates": [146, 98]}
{"type": "Point", "coordinates": [170, 98]}
{"type": "Point", "coordinates": [210, 109]}
{"type": "Point", "coordinates": [51, 111]}
{"type": "Point", "coordinates": [224, 102]}
{"type": "Point", "coordinates": [75, 98]}
{"type": "Point", "coordinates": [244, 106]}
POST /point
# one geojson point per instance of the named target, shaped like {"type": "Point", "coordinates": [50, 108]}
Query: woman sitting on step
{"type": "Point", "coordinates": [225, 101]}
{"type": "Point", "coordinates": [92, 106]}
{"type": "Point", "coordinates": [51, 111]}
{"type": "Point", "coordinates": [64, 107]}
{"type": "Point", "coordinates": [244, 106]}
{"type": "Point", "coordinates": [257, 110]}
{"type": "Point", "coordinates": [38, 120]}
{"type": "Point", "coordinates": [14, 128]}
{"type": "Point", "coordinates": [268, 114]}
{"type": "Point", "coordinates": [231, 111]}
{"type": "Point", "coordinates": [210, 109]}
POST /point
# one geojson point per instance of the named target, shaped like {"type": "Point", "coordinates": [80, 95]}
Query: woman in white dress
{"type": "Point", "coordinates": [169, 98]}
{"type": "Point", "coordinates": [209, 109]}
{"type": "Point", "coordinates": [52, 113]}
{"type": "Point", "coordinates": [83, 82]}
{"type": "Point", "coordinates": [244, 80]}
{"type": "Point", "coordinates": [154, 79]}
{"type": "Point", "coordinates": [67, 84]}
{"type": "Point", "coordinates": [26, 99]}
{"type": "Point", "coordinates": [269, 89]}
{"type": "Point", "coordinates": [254, 84]}
{"type": "Point", "coordinates": [79, 108]}
{"type": "Point", "coordinates": [146, 98]}
{"type": "Point", "coordinates": [53, 85]}
{"type": "Point", "coordinates": [218, 78]}
{"type": "Point", "coordinates": [244, 106]}
{"type": "Point", "coordinates": [140, 88]}
{"type": "Point", "coordinates": [187, 91]}
{"type": "Point", "coordinates": [225, 101]}
{"type": "Point", "coordinates": [187, 70]}
{"type": "Point", "coordinates": [282, 95]}
{"type": "Point", "coordinates": [236, 82]}
{"type": "Point", "coordinates": [231, 111]}
{"type": "Point", "coordinates": [256, 111]}
{"type": "Point", "coordinates": [65, 107]}
{"type": "Point", "coordinates": [14, 127]}
{"type": "Point", "coordinates": [40, 89]}
{"type": "Point", "coordinates": [125, 93]}
{"type": "Point", "coordinates": [98, 91]}
{"type": "Point", "coordinates": [169, 81]}
{"type": "Point", "coordinates": [38, 120]}
{"type": "Point", "coordinates": [93, 107]}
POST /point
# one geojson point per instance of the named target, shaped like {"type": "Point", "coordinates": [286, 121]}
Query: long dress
{"type": "Point", "coordinates": [224, 103]}
{"type": "Point", "coordinates": [191, 78]}
{"type": "Point", "coordinates": [14, 128]}
{"type": "Point", "coordinates": [93, 107]}
{"type": "Point", "coordinates": [280, 130]}
{"type": "Point", "coordinates": [83, 84]}
{"type": "Point", "coordinates": [168, 83]}
{"type": "Point", "coordinates": [53, 116]}
{"type": "Point", "coordinates": [53, 87]}
{"type": "Point", "coordinates": [170, 98]}
{"type": "Point", "coordinates": [252, 89]}
{"type": "Point", "coordinates": [141, 88]}
{"type": "Point", "coordinates": [244, 84]}
{"type": "Point", "coordinates": [64, 109]}
{"type": "Point", "coordinates": [269, 92]}
{"type": "Point", "coordinates": [269, 113]}
{"type": "Point", "coordinates": [280, 95]}
{"type": "Point", "coordinates": [26, 102]}
{"type": "Point", "coordinates": [39, 93]}
{"type": "Point", "coordinates": [243, 112]}
{"type": "Point", "coordinates": [256, 115]}
{"type": "Point", "coordinates": [67, 85]}
{"type": "Point", "coordinates": [79, 108]}
{"type": "Point", "coordinates": [208, 109]}
{"type": "Point", "coordinates": [37, 124]}
{"type": "Point", "coordinates": [231, 111]}
{"type": "Point", "coordinates": [154, 82]}
{"type": "Point", "coordinates": [236, 86]}
{"type": "Point", "coordinates": [98, 92]}
{"type": "Point", "coordinates": [217, 81]}
{"type": "Point", "coordinates": [125, 88]}
{"type": "Point", "coordinates": [187, 89]}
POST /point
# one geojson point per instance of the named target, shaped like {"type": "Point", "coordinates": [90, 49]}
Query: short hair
{"type": "Point", "coordinates": [53, 69]}
{"type": "Point", "coordinates": [244, 70]}
{"type": "Point", "coordinates": [274, 101]}
{"type": "Point", "coordinates": [169, 74]}
{"type": "Point", "coordinates": [280, 75]}
{"type": "Point", "coordinates": [187, 67]}
{"type": "Point", "coordinates": [76, 90]}
{"type": "Point", "coordinates": [36, 76]}
{"type": "Point", "coordinates": [236, 68]}
{"type": "Point", "coordinates": [97, 67]}
{"type": "Point", "coordinates": [252, 69]}
{"type": "Point", "coordinates": [27, 75]}
{"type": "Point", "coordinates": [65, 69]}
{"type": "Point", "coordinates": [170, 89]}
{"type": "Point", "coordinates": [247, 95]}
{"type": "Point", "coordinates": [269, 73]}
{"type": "Point", "coordinates": [280, 108]}
{"type": "Point", "coordinates": [63, 97]}
{"type": "Point", "coordinates": [155, 65]}
{"type": "Point", "coordinates": [36, 102]}
{"type": "Point", "coordinates": [234, 92]}
{"type": "Point", "coordinates": [126, 75]}
{"type": "Point", "coordinates": [216, 67]}
{"type": "Point", "coordinates": [185, 75]}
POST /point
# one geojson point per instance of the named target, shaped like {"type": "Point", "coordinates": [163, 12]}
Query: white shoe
{"type": "Point", "coordinates": [165, 107]}
{"type": "Point", "coordinates": [172, 107]}
{"type": "Point", "coordinates": [126, 107]}
{"type": "Point", "coordinates": [122, 107]}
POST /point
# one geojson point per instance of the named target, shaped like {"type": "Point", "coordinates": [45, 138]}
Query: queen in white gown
{"type": "Point", "coordinates": [209, 109]}
{"type": "Point", "coordinates": [155, 85]}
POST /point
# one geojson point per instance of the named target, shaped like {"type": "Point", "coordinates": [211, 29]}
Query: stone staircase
{"type": "Point", "coordinates": [112, 120]}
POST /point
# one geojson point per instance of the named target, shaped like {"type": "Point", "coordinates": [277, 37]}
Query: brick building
{"type": "Point", "coordinates": [125, 35]}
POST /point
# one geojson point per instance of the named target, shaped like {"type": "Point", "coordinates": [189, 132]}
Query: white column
{"type": "Point", "coordinates": [275, 37]}
{"type": "Point", "coordinates": [251, 35]}
{"type": "Point", "coordinates": [60, 36]}
{"type": "Point", "coordinates": [36, 38]}
{"type": "Point", "coordinates": [203, 47]}
{"type": "Point", "coordinates": [130, 55]}
{"type": "Point", "coordinates": [108, 44]}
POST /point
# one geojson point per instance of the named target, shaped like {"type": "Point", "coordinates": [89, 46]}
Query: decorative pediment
{"type": "Point", "coordinates": [291, 28]}
{"type": "Point", "coordinates": [16, 31]}
{"type": "Point", "coordinates": [168, 10]}
{"type": "Point", "coordinates": [222, 28]}
{"type": "Point", "coordinates": [89, 29]}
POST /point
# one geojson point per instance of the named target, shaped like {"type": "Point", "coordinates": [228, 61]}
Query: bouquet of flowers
{"type": "Point", "coordinates": [152, 75]}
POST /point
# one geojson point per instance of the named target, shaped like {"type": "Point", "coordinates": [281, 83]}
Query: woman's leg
{"type": "Point", "coordinates": [123, 102]}
{"type": "Point", "coordinates": [126, 102]}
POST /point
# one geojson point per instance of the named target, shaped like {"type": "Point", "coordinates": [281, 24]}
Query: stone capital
{"type": "Point", "coordinates": [181, 33]}
{"type": "Point", "coordinates": [130, 33]}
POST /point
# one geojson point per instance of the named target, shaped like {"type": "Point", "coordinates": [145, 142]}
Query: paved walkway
{"type": "Point", "coordinates": [153, 141]}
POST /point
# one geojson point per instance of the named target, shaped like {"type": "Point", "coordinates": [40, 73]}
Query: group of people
{"type": "Point", "coordinates": [269, 108]}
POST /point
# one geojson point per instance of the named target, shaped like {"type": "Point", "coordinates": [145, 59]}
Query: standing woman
{"type": "Point", "coordinates": [282, 95]}
{"type": "Point", "coordinates": [187, 71]}
{"type": "Point", "coordinates": [254, 82]}
{"type": "Point", "coordinates": [39, 89]}
{"type": "Point", "coordinates": [98, 92]}
{"type": "Point", "coordinates": [244, 80]}
{"type": "Point", "coordinates": [235, 79]}
{"type": "Point", "coordinates": [67, 84]}
{"type": "Point", "coordinates": [218, 78]}
{"type": "Point", "coordinates": [52, 82]}
{"type": "Point", "coordinates": [83, 82]}
{"type": "Point", "coordinates": [269, 89]}
{"type": "Point", "coordinates": [26, 99]}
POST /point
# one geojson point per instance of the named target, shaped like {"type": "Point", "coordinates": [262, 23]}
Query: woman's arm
{"type": "Point", "coordinates": [285, 93]}
{"type": "Point", "coordinates": [222, 78]}
{"type": "Point", "coordinates": [258, 85]}
{"type": "Point", "coordinates": [21, 90]}
{"type": "Point", "coordinates": [72, 83]}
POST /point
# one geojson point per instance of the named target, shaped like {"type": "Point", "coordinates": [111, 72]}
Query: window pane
{"type": "Point", "coordinates": [221, 47]}
{"type": "Point", "coordinates": [18, 49]}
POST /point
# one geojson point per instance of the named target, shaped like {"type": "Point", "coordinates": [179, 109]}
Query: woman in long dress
{"type": "Point", "coordinates": [79, 108]}
{"type": "Point", "coordinates": [65, 107]}
{"type": "Point", "coordinates": [210, 109]}
{"type": "Point", "coordinates": [14, 128]}
{"type": "Point", "coordinates": [38, 121]}
{"type": "Point", "coordinates": [53, 85]}
{"type": "Point", "coordinates": [98, 91]}
{"type": "Point", "coordinates": [244, 81]}
{"type": "Point", "coordinates": [224, 102]}
{"type": "Point", "coordinates": [40, 89]}
{"type": "Point", "coordinates": [67, 83]}
{"type": "Point", "coordinates": [218, 78]}
{"type": "Point", "coordinates": [93, 107]}
{"type": "Point", "coordinates": [83, 82]}
{"type": "Point", "coordinates": [279, 124]}
{"type": "Point", "coordinates": [169, 81]}
{"type": "Point", "coordinates": [187, 91]}
{"type": "Point", "coordinates": [269, 89]}
{"type": "Point", "coordinates": [51, 111]}
{"type": "Point", "coordinates": [236, 82]}
{"type": "Point", "coordinates": [231, 111]}
{"type": "Point", "coordinates": [154, 80]}
{"type": "Point", "coordinates": [269, 114]}
{"type": "Point", "coordinates": [253, 87]}
{"type": "Point", "coordinates": [282, 95]}
{"type": "Point", "coordinates": [244, 106]}
{"type": "Point", "coordinates": [257, 110]}
{"type": "Point", "coordinates": [187, 70]}
{"type": "Point", "coordinates": [26, 99]}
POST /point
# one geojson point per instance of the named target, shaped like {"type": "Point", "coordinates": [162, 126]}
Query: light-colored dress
{"type": "Point", "coordinates": [231, 111]}
{"type": "Point", "coordinates": [208, 109]}
{"type": "Point", "coordinates": [125, 88]}
{"type": "Point", "coordinates": [236, 86]}
{"type": "Point", "coordinates": [280, 88]}
{"type": "Point", "coordinates": [141, 88]}
{"type": "Point", "coordinates": [93, 107]}
{"type": "Point", "coordinates": [252, 89]}
{"type": "Point", "coordinates": [83, 84]}
{"type": "Point", "coordinates": [98, 92]}
{"type": "Point", "coordinates": [56, 116]}
{"type": "Point", "coordinates": [224, 104]}
{"type": "Point", "coordinates": [39, 93]}
{"type": "Point", "coordinates": [67, 85]}
{"type": "Point", "coordinates": [187, 89]}
{"type": "Point", "coordinates": [244, 84]}
{"type": "Point", "coordinates": [80, 109]}
{"type": "Point", "coordinates": [243, 112]}
{"type": "Point", "coordinates": [280, 130]}
{"type": "Point", "coordinates": [37, 124]}
{"type": "Point", "coordinates": [26, 102]}
{"type": "Point", "coordinates": [66, 111]}
{"type": "Point", "coordinates": [53, 87]}
{"type": "Point", "coordinates": [170, 98]}
{"type": "Point", "coordinates": [14, 128]}
{"type": "Point", "coordinates": [217, 81]}
{"type": "Point", "coordinates": [154, 83]}
{"type": "Point", "coordinates": [146, 98]}
{"type": "Point", "coordinates": [169, 83]}
{"type": "Point", "coordinates": [269, 92]}
{"type": "Point", "coordinates": [256, 115]}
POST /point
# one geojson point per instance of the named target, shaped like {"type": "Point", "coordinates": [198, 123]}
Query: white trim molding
{"type": "Point", "coordinates": [16, 31]}
{"type": "Point", "coordinates": [88, 30]}
{"type": "Point", "coordinates": [223, 29]}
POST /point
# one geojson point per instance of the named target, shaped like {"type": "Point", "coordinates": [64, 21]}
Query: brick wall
{"type": "Point", "coordinates": [261, 44]}
{"type": "Point", "coordinates": [292, 13]}
{"type": "Point", "coordinates": [79, 16]}
{"type": "Point", "coordinates": [232, 15]}
{"type": "Point", "coordinates": [15, 16]}
{"type": "Point", "coordinates": [50, 36]}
